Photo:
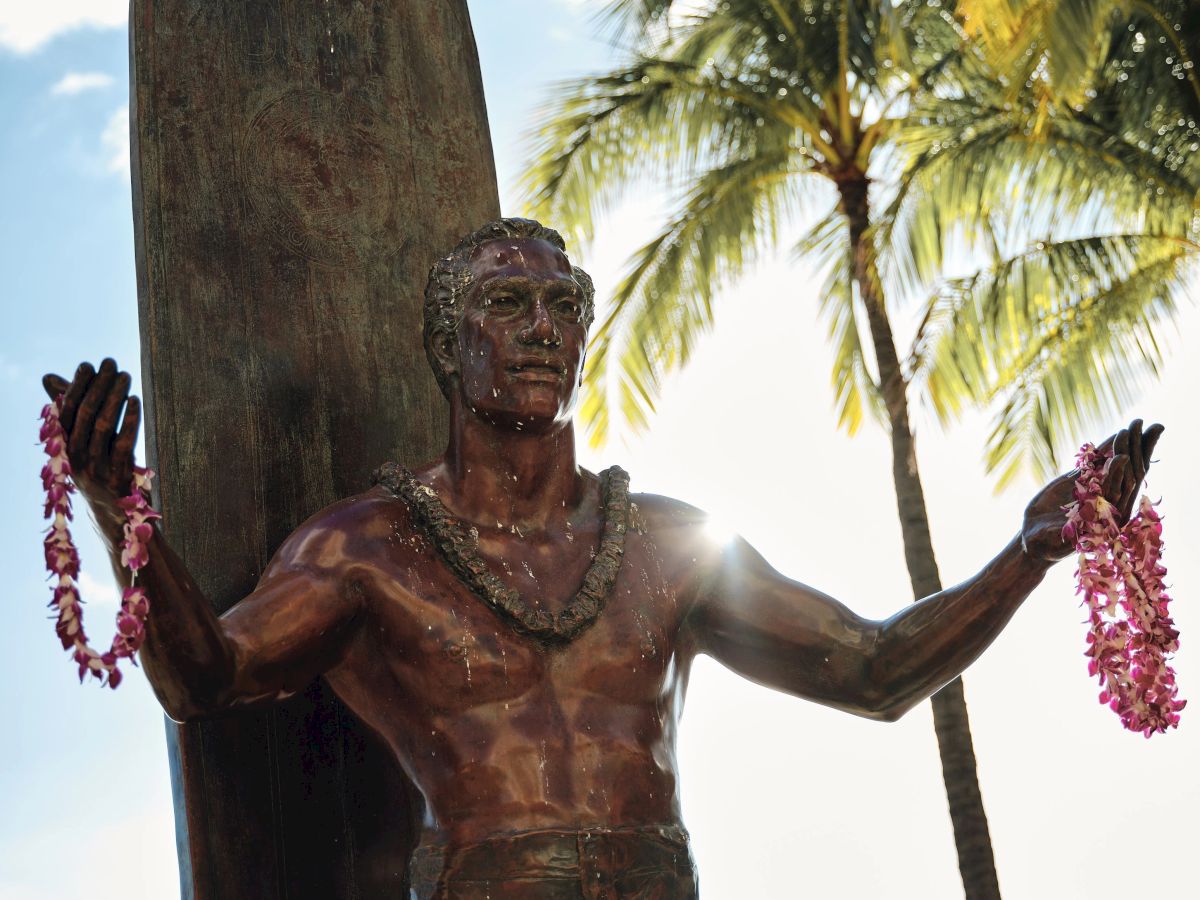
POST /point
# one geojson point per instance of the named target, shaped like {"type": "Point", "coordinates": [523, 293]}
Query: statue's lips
{"type": "Point", "coordinates": [536, 371]}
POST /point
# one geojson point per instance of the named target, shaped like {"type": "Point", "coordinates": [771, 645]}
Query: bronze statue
{"type": "Point", "coordinates": [520, 631]}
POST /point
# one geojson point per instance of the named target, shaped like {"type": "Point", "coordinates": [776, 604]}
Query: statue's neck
{"type": "Point", "coordinates": [492, 474]}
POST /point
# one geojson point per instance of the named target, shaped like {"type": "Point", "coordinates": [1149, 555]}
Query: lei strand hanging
{"type": "Point", "coordinates": [62, 558]}
{"type": "Point", "coordinates": [1130, 633]}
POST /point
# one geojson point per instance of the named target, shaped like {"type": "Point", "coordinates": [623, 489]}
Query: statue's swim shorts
{"type": "Point", "coordinates": [615, 864]}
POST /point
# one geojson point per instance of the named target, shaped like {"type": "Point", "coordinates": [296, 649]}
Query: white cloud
{"type": "Point", "coordinates": [26, 26]}
{"type": "Point", "coordinates": [114, 141]}
{"type": "Point", "coordinates": [77, 82]}
{"type": "Point", "coordinates": [558, 33]}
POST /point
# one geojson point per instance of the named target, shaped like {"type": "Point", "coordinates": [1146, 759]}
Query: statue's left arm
{"type": "Point", "coordinates": [788, 636]}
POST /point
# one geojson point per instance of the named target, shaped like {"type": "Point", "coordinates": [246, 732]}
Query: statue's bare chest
{"type": "Point", "coordinates": [452, 650]}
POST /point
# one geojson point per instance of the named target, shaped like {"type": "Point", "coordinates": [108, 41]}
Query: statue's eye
{"type": "Point", "coordinates": [569, 308]}
{"type": "Point", "coordinates": [501, 301]}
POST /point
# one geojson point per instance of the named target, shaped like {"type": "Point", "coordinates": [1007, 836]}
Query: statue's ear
{"type": "Point", "coordinates": [444, 346]}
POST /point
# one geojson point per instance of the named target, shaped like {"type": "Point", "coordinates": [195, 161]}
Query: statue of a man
{"type": "Point", "coordinates": [520, 631]}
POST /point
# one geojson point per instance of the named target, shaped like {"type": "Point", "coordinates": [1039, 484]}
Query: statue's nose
{"type": "Point", "coordinates": [540, 327]}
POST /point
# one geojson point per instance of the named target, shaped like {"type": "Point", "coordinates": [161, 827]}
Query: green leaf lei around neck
{"type": "Point", "coordinates": [458, 545]}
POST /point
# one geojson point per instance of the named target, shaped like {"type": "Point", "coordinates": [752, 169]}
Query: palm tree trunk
{"type": "Point", "coordinates": [975, 859]}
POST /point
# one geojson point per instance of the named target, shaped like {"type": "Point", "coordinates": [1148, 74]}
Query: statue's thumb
{"type": "Point", "coordinates": [54, 385]}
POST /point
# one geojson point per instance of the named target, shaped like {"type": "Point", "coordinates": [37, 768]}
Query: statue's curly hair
{"type": "Point", "coordinates": [450, 279]}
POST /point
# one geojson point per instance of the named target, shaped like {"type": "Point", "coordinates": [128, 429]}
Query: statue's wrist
{"type": "Point", "coordinates": [1037, 557]}
{"type": "Point", "coordinates": [108, 516]}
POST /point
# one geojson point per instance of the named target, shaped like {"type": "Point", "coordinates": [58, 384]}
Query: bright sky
{"type": "Point", "coordinates": [783, 798]}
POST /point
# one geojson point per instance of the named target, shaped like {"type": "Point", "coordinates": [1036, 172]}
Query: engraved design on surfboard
{"type": "Point", "coordinates": [314, 171]}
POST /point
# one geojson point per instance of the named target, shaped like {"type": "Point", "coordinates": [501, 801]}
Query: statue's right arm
{"type": "Point", "coordinates": [294, 626]}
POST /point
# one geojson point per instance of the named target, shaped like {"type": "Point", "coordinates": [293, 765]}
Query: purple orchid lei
{"type": "Point", "coordinates": [1130, 633]}
{"type": "Point", "coordinates": [62, 558]}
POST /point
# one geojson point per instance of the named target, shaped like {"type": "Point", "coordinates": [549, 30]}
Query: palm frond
{"type": "Point", "coordinates": [1075, 179]}
{"type": "Point", "coordinates": [855, 388]}
{"type": "Point", "coordinates": [634, 22]}
{"type": "Point", "coordinates": [1077, 40]}
{"type": "Point", "coordinates": [656, 119]}
{"type": "Point", "coordinates": [1063, 334]}
{"type": "Point", "coordinates": [665, 301]}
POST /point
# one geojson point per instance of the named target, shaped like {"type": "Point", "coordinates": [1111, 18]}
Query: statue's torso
{"type": "Point", "coordinates": [500, 733]}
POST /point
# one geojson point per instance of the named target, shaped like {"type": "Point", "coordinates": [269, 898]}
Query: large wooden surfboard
{"type": "Point", "coordinates": [297, 166]}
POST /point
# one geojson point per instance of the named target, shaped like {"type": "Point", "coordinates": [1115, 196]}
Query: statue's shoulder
{"type": "Point", "coordinates": [375, 512]}
{"type": "Point", "coordinates": [678, 537]}
{"type": "Point", "coordinates": [399, 494]}
{"type": "Point", "coordinates": [660, 515]}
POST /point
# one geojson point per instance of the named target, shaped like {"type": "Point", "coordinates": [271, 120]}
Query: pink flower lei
{"type": "Point", "coordinates": [62, 559]}
{"type": "Point", "coordinates": [1130, 634]}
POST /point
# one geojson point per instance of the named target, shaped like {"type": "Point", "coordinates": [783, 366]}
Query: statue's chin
{"type": "Point", "coordinates": [531, 419]}
{"type": "Point", "coordinates": [535, 407]}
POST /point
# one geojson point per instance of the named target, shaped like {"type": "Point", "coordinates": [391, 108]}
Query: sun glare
{"type": "Point", "coordinates": [718, 530]}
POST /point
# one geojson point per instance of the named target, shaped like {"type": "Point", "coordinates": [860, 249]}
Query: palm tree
{"type": "Point", "coordinates": [762, 109]}
{"type": "Point", "coordinates": [1097, 119]}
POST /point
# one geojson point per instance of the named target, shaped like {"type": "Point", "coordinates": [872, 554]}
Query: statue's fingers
{"type": "Point", "coordinates": [1121, 443]}
{"type": "Point", "coordinates": [81, 431]}
{"type": "Point", "coordinates": [1129, 492]}
{"type": "Point", "coordinates": [1114, 480]}
{"type": "Point", "coordinates": [1137, 466]}
{"type": "Point", "coordinates": [74, 394]}
{"type": "Point", "coordinates": [123, 444]}
{"type": "Point", "coordinates": [106, 420]}
{"type": "Point", "coordinates": [1119, 486]}
{"type": "Point", "coordinates": [1149, 441]}
{"type": "Point", "coordinates": [54, 385]}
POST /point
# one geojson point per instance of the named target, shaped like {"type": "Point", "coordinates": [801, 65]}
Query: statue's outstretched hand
{"type": "Point", "coordinates": [1045, 517]}
{"type": "Point", "coordinates": [101, 455]}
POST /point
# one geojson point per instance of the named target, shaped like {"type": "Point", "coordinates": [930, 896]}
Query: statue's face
{"type": "Point", "coordinates": [519, 350]}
